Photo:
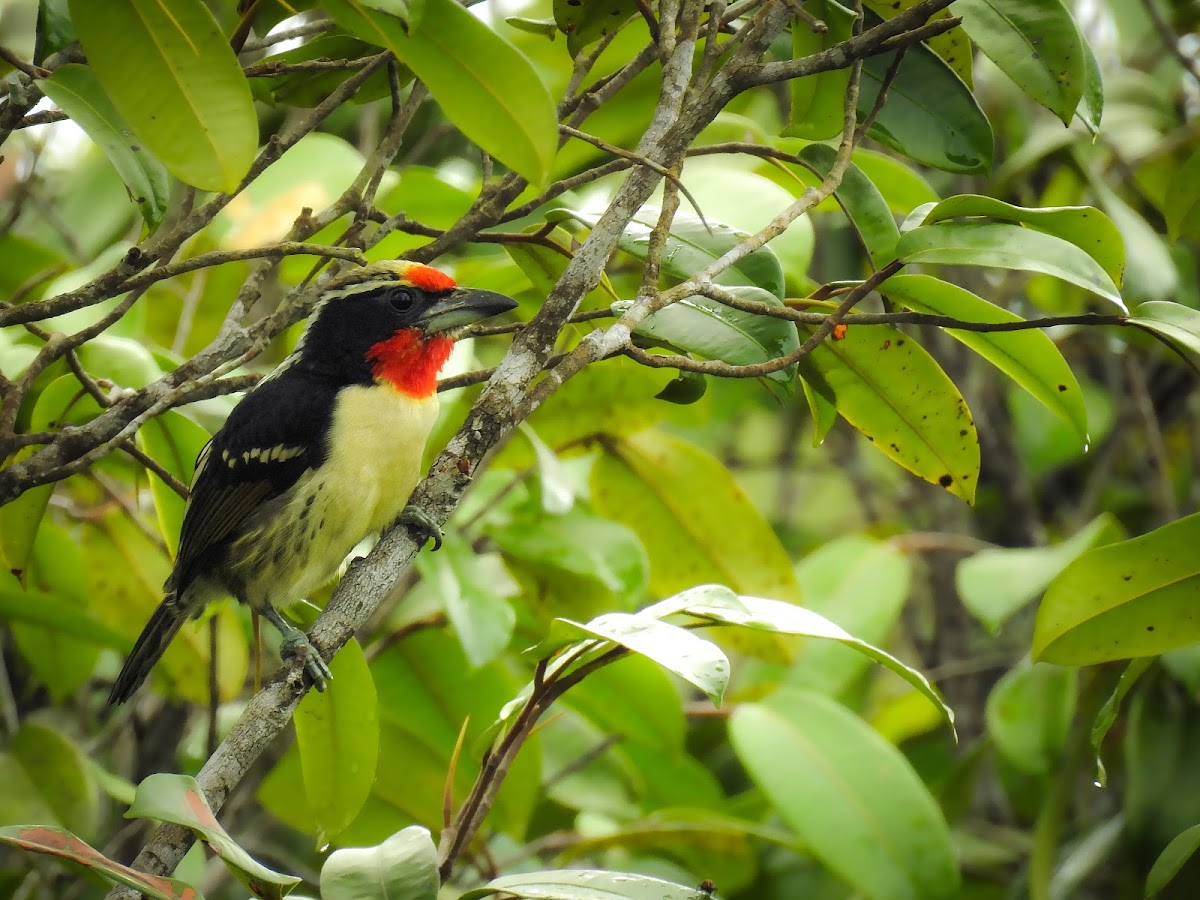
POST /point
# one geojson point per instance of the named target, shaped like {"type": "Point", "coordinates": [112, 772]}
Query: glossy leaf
{"type": "Point", "coordinates": [1029, 714]}
{"type": "Point", "coordinates": [1003, 246]}
{"type": "Point", "coordinates": [818, 101]}
{"type": "Point", "coordinates": [692, 247]}
{"type": "Point", "coordinates": [995, 584]}
{"type": "Point", "coordinates": [582, 884]}
{"type": "Point", "coordinates": [404, 867]}
{"type": "Point", "coordinates": [21, 518]}
{"type": "Point", "coordinates": [307, 89]}
{"type": "Point", "coordinates": [64, 845]}
{"type": "Point", "coordinates": [1179, 324]}
{"type": "Point", "coordinates": [692, 658]}
{"type": "Point", "coordinates": [951, 46]}
{"type": "Point", "coordinates": [1029, 358]}
{"type": "Point", "coordinates": [337, 732]}
{"type": "Point", "coordinates": [1133, 598]}
{"type": "Point", "coordinates": [52, 612]}
{"type": "Point", "coordinates": [170, 73]}
{"type": "Point", "coordinates": [786, 618]}
{"type": "Point", "coordinates": [862, 202]}
{"type": "Point", "coordinates": [1084, 226]}
{"type": "Point", "coordinates": [885, 385]}
{"type": "Point", "coordinates": [586, 23]}
{"type": "Point", "coordinates": [852, 798]}
{"type": "Point", "coordinates": [930, 115]}
{"type": "Point", "coordinates": [712, 330]}
{"type": "Point", "coordinates": [178, 799]}
{"type": "Point", "coordinates": [483, 84]}
{"type": "Point", "coordinates": [1035, 43]}
{"type": "Point", "coordinates": [75, 90]}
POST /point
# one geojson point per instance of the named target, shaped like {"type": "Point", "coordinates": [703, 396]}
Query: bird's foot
{"type": "Point", "coordinates": [417, 518]}
{"type": "Point", "coordinates": [296, 645]}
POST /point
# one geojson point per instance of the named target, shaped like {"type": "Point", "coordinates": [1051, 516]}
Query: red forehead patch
{"type": "Point", "coordinates": [429, 279]}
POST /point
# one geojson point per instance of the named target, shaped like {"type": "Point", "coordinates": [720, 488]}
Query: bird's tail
{"type": "Point", "coordinates": [151, 644]}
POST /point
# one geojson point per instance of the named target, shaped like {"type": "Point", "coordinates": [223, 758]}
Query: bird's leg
{"type": "Point", "coordinates": [417, 518]}
{"type": "Point", "coordinates": [296, 643]}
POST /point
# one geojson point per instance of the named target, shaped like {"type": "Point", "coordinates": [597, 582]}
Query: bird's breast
{"type": "Point", "coordinates": [376, 444]}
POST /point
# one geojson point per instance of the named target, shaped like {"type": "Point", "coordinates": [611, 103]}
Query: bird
{"type": "Point", "coordinates": [322, 452]}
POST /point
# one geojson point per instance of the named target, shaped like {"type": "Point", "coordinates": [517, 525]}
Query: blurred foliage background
{"type": "Point", "coordinates": [611, 497]}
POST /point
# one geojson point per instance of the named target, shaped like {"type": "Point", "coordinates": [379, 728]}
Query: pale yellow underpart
{"type": "Point", "coordinates": [296, 546]}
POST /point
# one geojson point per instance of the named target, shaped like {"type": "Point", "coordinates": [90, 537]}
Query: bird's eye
{"type": "Point", "coordinates": [402, 299]}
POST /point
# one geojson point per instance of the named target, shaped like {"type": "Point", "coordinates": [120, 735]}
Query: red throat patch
{"type": "Point", "coordinates": [410, 362]}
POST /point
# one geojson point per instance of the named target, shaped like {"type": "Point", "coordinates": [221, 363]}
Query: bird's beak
{"type": "Point", "coordinates": [464, 307]}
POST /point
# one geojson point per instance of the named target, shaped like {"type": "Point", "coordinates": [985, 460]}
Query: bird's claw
{"type": "Point", "coordinates": [297, 645]}
{"type": "Point", "coordinates": [417, 518]}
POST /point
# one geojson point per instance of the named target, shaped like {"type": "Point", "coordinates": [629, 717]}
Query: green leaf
{"type": "Point", "coordinates": [1182, 210]}
{"type": "Point", "coordinates": [75, 90]}
{"type": "Point", "coordinates": [616, 398]}
{"type": "Point", "coordinates": [544, 27]}
{"type": "Point", "coordinates": [64, 845]}
{"type": "Point", "coordinates": [786, 618]}
{"type": "Point", "coordinates": [649, 482]}
{"type": "Point", "coordinates": [713, 330]}
{"type": "Point", "coordinates": [1003, 246]}
{"type": "Point", "coordinates": [582, 884]}
{"type": "Point", "coordinates": [586, 23]}
{"type": "Point", "coordinates": [20, 519]}
{"type": "Point", "coordinates": [1179, 324]}
{"type": "Point", "coordinates": [1134, 598]}
{"type": "Point", "coordinates": [818, 101]}
{"type": "Point", "coordinates": [930, 115]}
{"type": "Point", "coordinates": [1108, 712]}
{"type": "Point", "coordinates": [951, 46]}
{"type": "Point", "coordinates": [178, 799]}
{"type": "Point", "coordinates": [1029, 714]}
{"type": "Point", "coordinates": [307, 89]}
{"type": "Point", "coordinates": [692, 658]}
{"type": "Point", "coordinates": [862, 202]}
{"type": "Point", "coordinates": [852, 797]}
{"type": "Point", "coordinates": [62, 774]}
{"type": "Point", "coordinates": [1091, 106]}
{"type": "Point", "coordinates": [337, 732]}
{"type": "Point", "coordinates": [1182, 847]}
{"type": "Point", "coordinates": [171, 74]}
{"type": "Point", "coordinates": [891, 390]}
{"type": "Point", "coordinates": [582, 546]}
{"type": "Point", "coordinates": [57, 615]}
{"type": "Point", "coordinates": [1084, 226]}
{"type": "Point", "coordinates": [995, 584]}
{"type": "Point", "coordinates": [860, 584]}
{"type": "Point", "coordinates": [404, 867]}
{"type": "Point", "coordinates": [824, 413]}
{"type": "Point", "coordinates": [1036, 44]}
{"type": "Point", "coordinates": [173, 441]}
{"type": "Point", "coordinates": [692, 247]}
{"type": "Point", "coordinates": [482, 618]}
{"type": "Point", "coordinates": [483, 84]}
{"type": "Point", "coordinates": [1029, 358]}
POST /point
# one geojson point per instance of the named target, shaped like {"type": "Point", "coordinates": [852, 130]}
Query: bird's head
{"type": "Point", "coordinates": [394, 322]}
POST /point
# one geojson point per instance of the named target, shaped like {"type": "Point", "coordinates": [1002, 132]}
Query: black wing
{"type": "Point", "coordinates": [269, 441]}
